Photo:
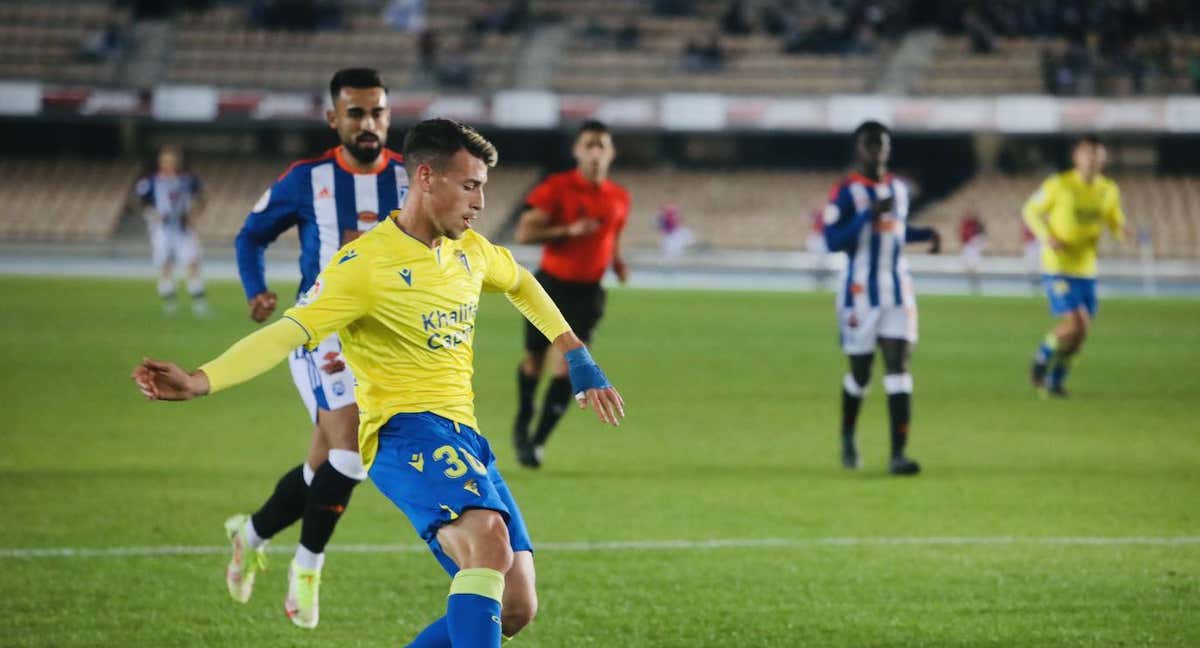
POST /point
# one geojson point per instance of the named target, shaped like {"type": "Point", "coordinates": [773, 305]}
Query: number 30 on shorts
{"type": "Point", "coordinates": [455, 466]}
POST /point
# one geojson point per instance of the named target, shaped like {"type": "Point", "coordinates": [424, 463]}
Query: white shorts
{"type": "Point", "coordinates": [173, 243]}
{"type": "Point", "coordinates": [318, 388]}
{"type": "Point", "coordinates": [861, 328]}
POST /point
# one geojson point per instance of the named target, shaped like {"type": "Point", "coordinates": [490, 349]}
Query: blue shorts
{"type": "Point", "coordinates": [434, 469]}
{"type": "Point", "coordinates": [1067, 294]}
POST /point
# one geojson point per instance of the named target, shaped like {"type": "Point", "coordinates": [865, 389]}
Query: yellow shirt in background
{"type": "Point", "coordinates": [1074, 212]}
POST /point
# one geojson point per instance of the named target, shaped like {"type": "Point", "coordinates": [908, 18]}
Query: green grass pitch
{"type": "Point", "coordinates": [731, 435]}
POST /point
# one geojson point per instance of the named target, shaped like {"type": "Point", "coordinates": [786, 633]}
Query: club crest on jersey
{"type": "Point", "coordinates": [406, 275]}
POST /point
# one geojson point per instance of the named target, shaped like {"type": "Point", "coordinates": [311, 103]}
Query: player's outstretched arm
{"type": "Point", "coordinates": [247, 358]}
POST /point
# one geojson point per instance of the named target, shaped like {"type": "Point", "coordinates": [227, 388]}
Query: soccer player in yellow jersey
{"type": "Point", "coordinates": [403, 298]}
{"type": "Point", "coordinates": [1067, 215]}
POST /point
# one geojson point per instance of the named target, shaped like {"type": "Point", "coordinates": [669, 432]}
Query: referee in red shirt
{"type": "Point", "coordinates": [577, 216]}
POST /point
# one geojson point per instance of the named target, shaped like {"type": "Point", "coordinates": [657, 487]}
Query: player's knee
{"type": "Point", "coordinates": [489, 545]}
{"type": "Point", "coordinates": [518, 613]}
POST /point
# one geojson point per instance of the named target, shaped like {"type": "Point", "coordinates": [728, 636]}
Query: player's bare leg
{"type": "Point", "coordinates": [338, 469]}
{"type": "Point", "coordinates": [1072, 332]}
{"type": "Point", "coordinates": [528, 374]}
{"type": "Point", "coordinates": [520, 595]}
{"type": "Point", "coordinates": [1052, 359]}
{"type": "Point", "coordinates": [898, 383]}
{"type": "Point", "coordinates": [477, 541]}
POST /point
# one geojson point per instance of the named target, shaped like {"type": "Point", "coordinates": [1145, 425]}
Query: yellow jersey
{"type": "Point", "coordinates": [405, 314]}
{"type": "Point", "coordinates": [1074, 212]}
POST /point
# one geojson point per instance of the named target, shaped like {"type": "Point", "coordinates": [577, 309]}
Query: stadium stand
{"type": "Point", "coordinates": [1161, 206]}
{"type": "Point", "coordinates": [233, 186]}
{"type": "Point", "coordinates": [690, 53]}
{"type": "Point", "coordinates": [770, 210]}
{"type": "Point", "coordinates": [66, 43]}
{"type": "Point", "coordinates": [219, 46]}
{"type": "Point", "coordinates": [736, 209]}
{"type": "Point", "coordinates": [62, 200]}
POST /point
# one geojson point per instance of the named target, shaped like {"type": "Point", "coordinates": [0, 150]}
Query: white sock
{"type": "Point", "coordinates": [251, 535]}
{"type": "Point", "coordinates": [306, 559]}
{"type": "Point", "coordinates": [308, 474]}
{"type": "Point", "coordinates": [196, 286]}
{"type": "Point", "coordinates": [166, 288]}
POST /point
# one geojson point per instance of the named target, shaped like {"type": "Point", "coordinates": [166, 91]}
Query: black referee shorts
{"type": "Point", "coordinates": [582, 304]}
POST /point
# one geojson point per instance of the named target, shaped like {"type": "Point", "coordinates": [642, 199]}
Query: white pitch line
{"type": "Point", "coordinates": [627, 545]}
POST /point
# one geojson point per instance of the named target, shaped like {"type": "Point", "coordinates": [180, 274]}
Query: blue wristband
{"type": "Point", "coordinates": [584, 372]}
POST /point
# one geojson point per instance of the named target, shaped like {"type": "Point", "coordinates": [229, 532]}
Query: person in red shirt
{"type": "Point", "coordinates": [578, 217]}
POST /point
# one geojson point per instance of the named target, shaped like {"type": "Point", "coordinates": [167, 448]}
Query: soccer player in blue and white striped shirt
{"type": "Point", "coordinates": [867, 218]}
{"type": "Point", "coordinates": [331, 200]}
{"type": "Point", "coordinates": [173, 196]}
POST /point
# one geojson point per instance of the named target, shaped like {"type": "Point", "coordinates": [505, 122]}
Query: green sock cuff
{"type": "Point", "coordinates": [479, 581]}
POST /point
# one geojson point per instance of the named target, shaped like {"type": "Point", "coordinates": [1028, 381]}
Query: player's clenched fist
{"type": "Point", "coordinates": [167, 381]}
{"type": "Point", "coordinates": [262, 306]}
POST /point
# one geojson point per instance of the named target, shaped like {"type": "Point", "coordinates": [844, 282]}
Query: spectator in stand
{"type": "Point", "coordinates": [406, 16]}
{"type": "Point", "coordinates": [456, 71]}
{"type": "Point", "coordinates": [674, 7]}
{"type": "Point", "coordinates": [427, 49]}
{"type": "Point", "coordinates": [628, 36]}
{"type": "Point", "coordinates": [676, 237]}
{"type": "Point", "coordinates": [981, 36]}
{"type": "Point", "coordinates": [973, 239]}
{"type": "Point", "coordinates": [734, 21]}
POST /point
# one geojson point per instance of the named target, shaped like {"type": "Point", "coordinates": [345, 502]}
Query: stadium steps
{"type": "Point", "coordinates": [913, 57]}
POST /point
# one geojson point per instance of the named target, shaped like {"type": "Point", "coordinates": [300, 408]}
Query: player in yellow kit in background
{"type": "Point", "coordinates": [1067, 215]}
{"type": "Point", "coordinates": [403, 299]}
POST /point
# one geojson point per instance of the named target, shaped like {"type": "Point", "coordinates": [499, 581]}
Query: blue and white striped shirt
{"type": "Point", "coordinates": [876, 271]}
{"type": "Point", "coordinates": [328, 203]}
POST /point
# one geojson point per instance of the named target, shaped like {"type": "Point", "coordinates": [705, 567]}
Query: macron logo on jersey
{"type": "Point", "coordinates": [406, 275]}
{"type": "Point", "coordinates": [352, 254]}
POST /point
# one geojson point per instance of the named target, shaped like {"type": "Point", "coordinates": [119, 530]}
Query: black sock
{"type": "Point", "coordinates": [284, 506]}
{"type": "Point", "coordinates": [327, 499]}
{"type": "Point", "coordinates": [899, 413]}
{"type": "Point", "coordinates": [850, 406]}
{"type": "Point", "coordinates": [526, 387]}
{"type": "Point", "coordinates": [558, 397]}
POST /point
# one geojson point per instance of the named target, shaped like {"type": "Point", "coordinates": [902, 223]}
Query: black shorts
{"type": "Point", "coordinates": [582, 304]}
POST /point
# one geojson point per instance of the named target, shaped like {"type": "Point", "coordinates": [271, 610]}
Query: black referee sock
{"type": "Point", "coordinates": [526, 388]}
{"type": "Point", "coordinates": [284, 506]}
{"type": "Point", "coordinates": [328, 496]}
{"type": "Point", "coordinates": [851, 404]}
{"type": "Point", "coordinates": [899, 414]}
{"type": "Point", "coordinates": [558, 397]}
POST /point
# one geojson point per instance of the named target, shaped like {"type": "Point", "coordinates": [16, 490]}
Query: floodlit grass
{"type": "Point", "coordinates": [732, 434]}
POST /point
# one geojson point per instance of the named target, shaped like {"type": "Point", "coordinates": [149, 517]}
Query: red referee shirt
{"type": "Point", "coordinates": [568, 197]}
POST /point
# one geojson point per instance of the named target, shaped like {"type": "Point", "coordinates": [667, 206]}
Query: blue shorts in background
{"type": "Point", "coordinates": [1067, 294]}
{"type": "Point", "coordinates": [434, 469]}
